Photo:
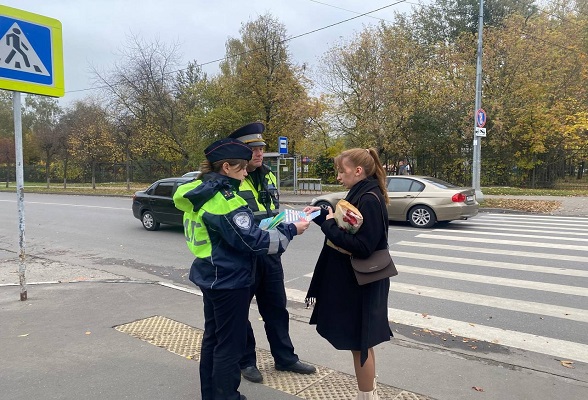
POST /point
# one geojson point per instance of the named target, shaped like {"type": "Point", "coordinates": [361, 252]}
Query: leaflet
{"type": "Point", "coordinates": [287, 216]}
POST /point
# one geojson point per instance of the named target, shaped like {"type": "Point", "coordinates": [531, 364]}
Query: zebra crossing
{"type": "Point", "coordinates": [515, 280]}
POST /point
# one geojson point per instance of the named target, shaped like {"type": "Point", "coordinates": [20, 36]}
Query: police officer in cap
{"type": "Point", "coordinates": [259, 189]}
{"type": "Point", "coordinates": [221, 233]}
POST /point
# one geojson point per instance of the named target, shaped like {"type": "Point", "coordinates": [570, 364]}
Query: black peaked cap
{"type": "Point", "coordinates": [228, 148]}
{"type": "Point", "coordinates": [250, 134]}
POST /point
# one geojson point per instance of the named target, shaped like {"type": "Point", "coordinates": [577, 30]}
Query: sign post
{"type": "Point", "coordinates": [31, 61]}
{"type": "Point", "coordinates": [283, 145]}
{"type": "Point", "coordinates": [480, 117]}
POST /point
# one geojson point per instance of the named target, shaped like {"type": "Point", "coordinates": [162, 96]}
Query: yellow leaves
{"type": "Point", "coordinates": [538, 206]}
{"type": "Point", "coordinates": [567, 364]}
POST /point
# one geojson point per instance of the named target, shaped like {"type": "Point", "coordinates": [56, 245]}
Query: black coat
{"type": "Point", "coordinates": [350, 316]}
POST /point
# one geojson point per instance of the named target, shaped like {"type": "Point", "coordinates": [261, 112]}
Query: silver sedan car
{"type": "Point", "coordinates": [420, 200]}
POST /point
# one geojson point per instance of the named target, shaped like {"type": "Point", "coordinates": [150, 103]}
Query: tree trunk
{"type": "Point", "coordinates": [128, 168]}
{"type": "Point", "coordinates": [47, 177]}
{"type": "Point", "coordinates": [65, 173]}
{"type": "Point", "coordinates": [93, 175]}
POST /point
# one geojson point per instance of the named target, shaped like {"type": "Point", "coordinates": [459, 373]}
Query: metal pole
{"type": "Point", "coordinates": [19, 194]}
{"type": "Point", "coordinates": [477, 147]}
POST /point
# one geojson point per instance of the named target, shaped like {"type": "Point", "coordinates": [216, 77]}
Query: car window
{"type": "Point", "coordinates": [404, 185]}
{"type": "Point", "coordinates": [164, 189]}
{"type": "Point", "coordinates": [439, 183]}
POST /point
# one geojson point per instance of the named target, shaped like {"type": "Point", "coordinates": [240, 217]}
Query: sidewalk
{"type": "Point", "coordinates": [116, 340]}
{"type": "Point", "coordinates": [140, 340]}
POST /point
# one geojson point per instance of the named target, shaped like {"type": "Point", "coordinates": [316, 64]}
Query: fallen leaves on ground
{"type": "Point", "coordinates": [567, 364]}
{"type": "Point", "coordinates": [477, 388]}
{"type": "Point", "coordinates": [535, 206]}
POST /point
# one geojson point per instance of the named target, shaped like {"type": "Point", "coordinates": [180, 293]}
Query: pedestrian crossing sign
{"type": "Point", "coordinates": [31, 53]}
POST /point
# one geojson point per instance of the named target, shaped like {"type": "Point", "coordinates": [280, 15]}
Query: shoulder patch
{"type": "Point", "coordinates": [242, 220]}
{"type": "Point", "coordinates": [228, 194]}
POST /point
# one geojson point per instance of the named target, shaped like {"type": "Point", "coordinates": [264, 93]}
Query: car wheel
{"type": "Point", "coordinates": [324, 204]}
{"type": "Point", "coordinates": [421, 217]}
{"type": "Point", "coordinates": [149, 221]}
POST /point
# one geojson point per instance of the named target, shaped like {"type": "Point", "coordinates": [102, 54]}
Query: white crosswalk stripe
{"type": "Point", "coordinates": [506, 242]}
{"type": "Point", "coordinates": [562, 257]}
{"type": "Point", "coordinates": [492, 280]}
{"type": "Point", "coordinates": [520, 340]}
{"type": "Point", "coordinates": [492, 264]}
{"type": "Point", "coordinates": [546, 257]}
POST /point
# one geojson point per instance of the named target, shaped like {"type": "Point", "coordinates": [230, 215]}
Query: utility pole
{"type": "Point", "coordinates": [477, 139]}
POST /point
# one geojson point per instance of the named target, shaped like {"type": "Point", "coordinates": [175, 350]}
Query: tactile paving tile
{"type": "Point", "coordinates": [151, 327]}
{"type": "Point", "coordinates": [288, 382]}
{"type": "Point", "coordinates": [404, 395]}
{"type": "Point", "coordinates": [325, 384]}
{"type": "Point", "coordinates": [185, 343]}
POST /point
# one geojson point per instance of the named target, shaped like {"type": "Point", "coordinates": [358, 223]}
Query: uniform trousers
{"type": "Point", "coordinates": [270, 294]}
{"type": "Point", "coordinates": [226, 314]}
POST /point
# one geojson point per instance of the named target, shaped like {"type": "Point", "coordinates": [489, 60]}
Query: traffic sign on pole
{"type": "Point", "coordinates": [283, 144]}
{"type": "Point", "coordinates": [31, 53]}
{"type": "Point", "coordinates": [480, 118]}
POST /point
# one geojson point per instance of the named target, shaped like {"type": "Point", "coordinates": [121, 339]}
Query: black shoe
{"type": "Point", "coordinates": [298, 367]}
{"type": "Point", "coordinates": [252, 374]}
{"type": "Point", "coordinates": [243, 397]}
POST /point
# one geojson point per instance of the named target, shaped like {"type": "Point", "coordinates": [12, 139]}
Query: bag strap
{"type": "Point", "coordinates": [383, 217]}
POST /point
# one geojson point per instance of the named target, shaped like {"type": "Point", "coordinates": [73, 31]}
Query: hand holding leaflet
{"type": "Point", "coordinates": [287, 216]}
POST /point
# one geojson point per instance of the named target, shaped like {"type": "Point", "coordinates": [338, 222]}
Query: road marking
{"type": "Point", "coordinates": [69, 205]}
{"type": "Point", "coordinates": [478, 232]}
{"type": "Point", "coordinates": [563, 349]}
{"type": "Point", "coordinates": [567, 232]}
{"type": "Point", "coordinates": [492, 264]}
{"type": "Point", "coordinates": [529, 224]}
{"type": "Point", "coordinates": [573, 314]}
{"type": "Point", "coordinates": [563, 257]}
{"type": "Point", "coordinates": [562, 218]}
{"type": "Point", "coordinates": [493, 280]}
{"type": "Point", "coordinates": [524, 341]}
{"type": "Point", "coordinates": [558, 246]}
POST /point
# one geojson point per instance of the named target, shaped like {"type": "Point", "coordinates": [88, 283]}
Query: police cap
{"type": "Point", "coordinates": [250, 134]}
{"type": "Point", "coordinates": [228, 148]}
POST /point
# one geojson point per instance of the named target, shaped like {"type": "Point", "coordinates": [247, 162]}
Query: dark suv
{"type": "Point", "coordinates": [155, 205]}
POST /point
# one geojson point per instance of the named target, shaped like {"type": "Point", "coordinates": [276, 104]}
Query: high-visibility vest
{"type": "Point", "coordinates": [262, 201]}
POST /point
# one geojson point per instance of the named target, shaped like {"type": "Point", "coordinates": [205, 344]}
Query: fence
{"type": "Point", "coordinates": [310, 185]}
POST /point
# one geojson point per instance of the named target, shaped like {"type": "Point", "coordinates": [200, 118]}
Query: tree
{"type": "Point", "coordinates": [142, 86]}
{"type": "Point", "coordinates": [263, 83]}
{"type": "Point", "coordinates": [91, 138]}
{"type": "Point", "coordinates": [535, 88]}
{"type": "Point", "coordinates": [445, 20]}
{"type": "Point", "coordinates": [44, 113]}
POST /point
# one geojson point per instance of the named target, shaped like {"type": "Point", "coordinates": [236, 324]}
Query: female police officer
{"type": "Point", "coordinates": [221, 233]}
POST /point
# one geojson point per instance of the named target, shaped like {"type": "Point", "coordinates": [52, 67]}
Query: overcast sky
{"type": "Point", "coordinates": [94, 31]}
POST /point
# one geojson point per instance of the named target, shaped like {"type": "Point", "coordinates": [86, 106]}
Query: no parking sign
{"type": "Point", "coordinates": [480, 118]}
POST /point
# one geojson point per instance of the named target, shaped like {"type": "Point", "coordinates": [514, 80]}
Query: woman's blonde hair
{"type": "Point", "coordinates": [370, 162]}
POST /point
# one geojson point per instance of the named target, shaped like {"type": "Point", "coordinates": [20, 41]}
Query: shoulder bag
{"type": "Point", "coordinates": [378, 265]}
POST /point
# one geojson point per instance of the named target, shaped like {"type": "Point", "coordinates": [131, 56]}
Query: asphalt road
{"type": "Point", "coordinates": [502, 285]}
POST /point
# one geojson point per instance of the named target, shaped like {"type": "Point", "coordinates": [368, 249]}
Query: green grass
{"type": "Point", "coordinates": [119, 189]}
{"type": "Point", "coordinates": [102, 189]}
{"type": "Point", "coordinates": [513, 191]}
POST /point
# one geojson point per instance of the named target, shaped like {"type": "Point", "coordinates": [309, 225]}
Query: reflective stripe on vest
{"type": "Point", "coordinates": [196, 232]}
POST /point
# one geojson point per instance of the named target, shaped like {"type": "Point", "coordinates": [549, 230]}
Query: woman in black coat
{"type": "Point", "coordinates": [350, 316]}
